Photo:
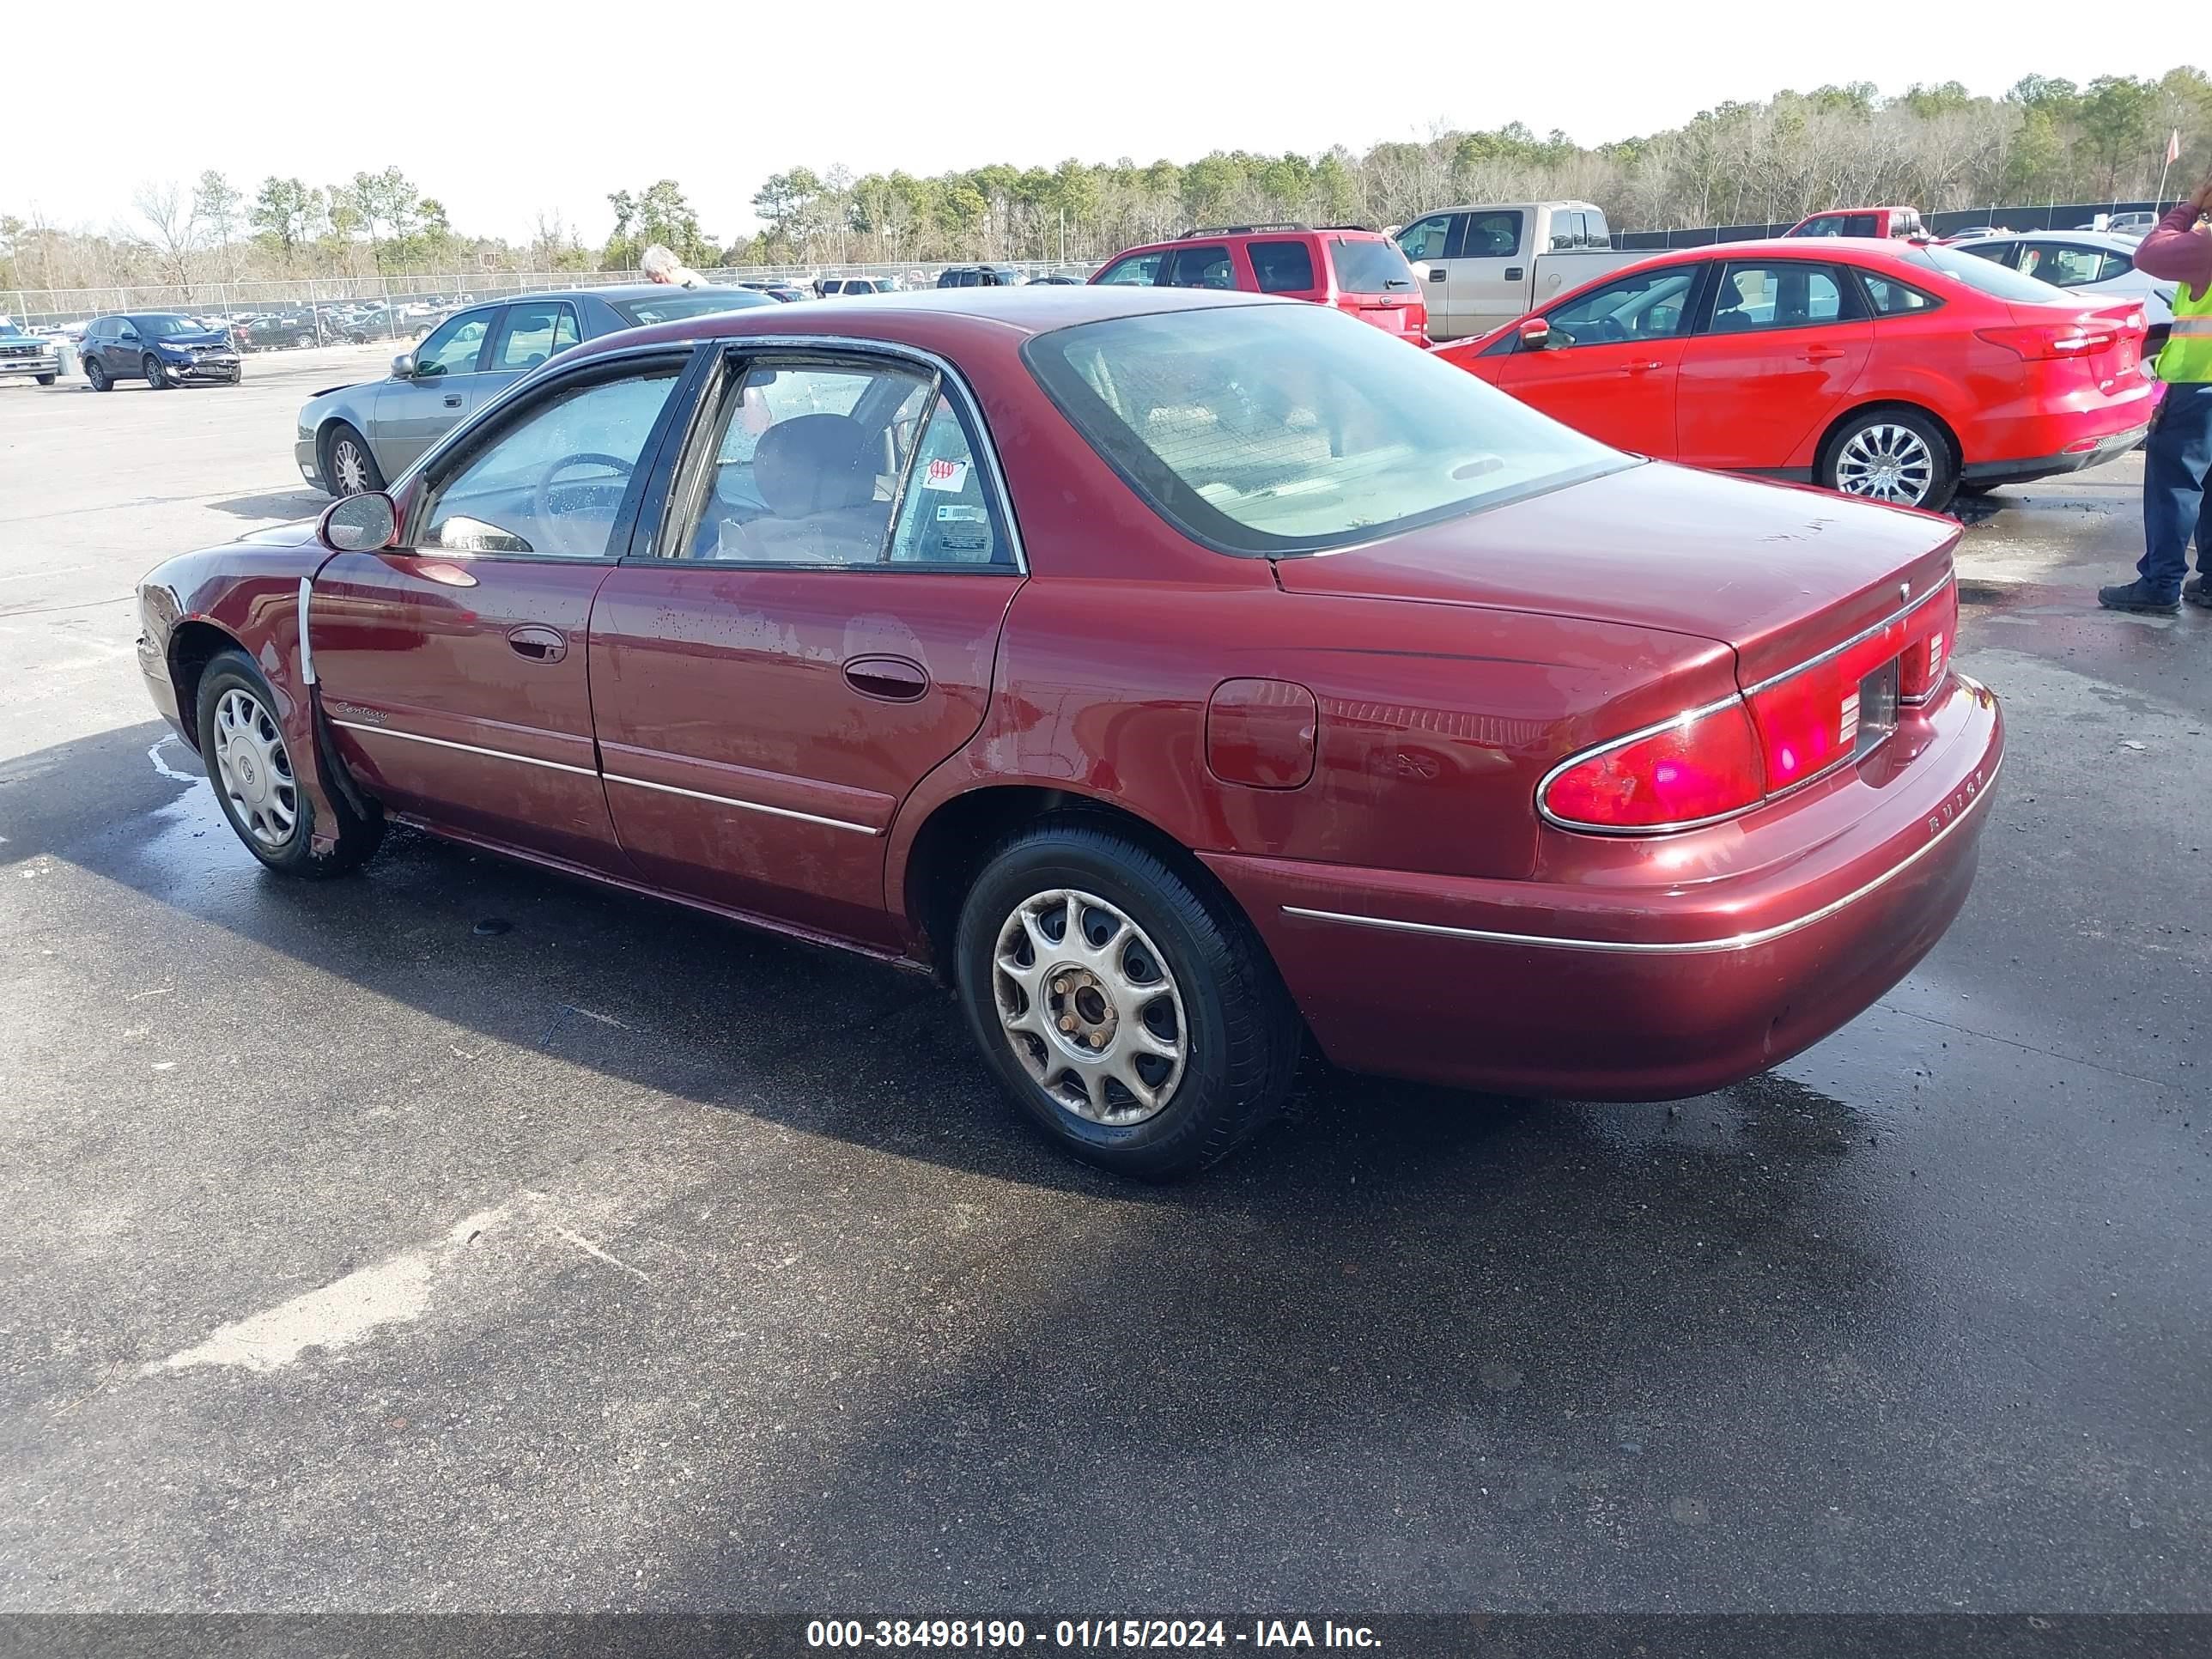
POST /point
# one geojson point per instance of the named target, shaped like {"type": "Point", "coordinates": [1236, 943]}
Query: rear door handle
{"type": "Point", "coordinates": [892, 679]}
{"type": "Point", "coordinates": [1435, 276]}
{"type": "Point", "coordinates": [1820, 353]}
{"type": "Point", "coordinates": [452, 400]}
{"type": "Point", "coordinates": [538, 644]}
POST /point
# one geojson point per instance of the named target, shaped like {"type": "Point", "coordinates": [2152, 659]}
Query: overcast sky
{"type": "Point", "coordinates": [502, 111]}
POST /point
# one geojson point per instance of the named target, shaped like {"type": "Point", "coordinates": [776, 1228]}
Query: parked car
{"type": "Point", "coordinates": [1060, 278]}
{"type": "Point", "coordinates": [788, 293]}
{"type": "Point", "coordinates": [1358, 271]}
{"type": "Point", "coordinates": [978, 277]}
{"type": "Point", "coordinates": [1880, 222]}
{"type": "Point", "coordinates": [1482, 265]}
{"type": "Point", "coordinates": [24, 353]}
{"type": "Point", "coordinates": [1179, 674]}
{"type": "Point", "coordinates": [352, 438]}
{"type": "Point", "coordinates": [279, 330]}
{"type": "Point", "coordinates": [1897, 371]}
{"type": "Point", "coordinates": [159, 348]}
{"type": "Point", "coordinates": [2085, 262]}
{"type": "Point", "coordinates": [853, 285]}
{"type": "Point", "coordinates": [1971, 232]}
{"type": "Point", "coordinates": [2135, 225]}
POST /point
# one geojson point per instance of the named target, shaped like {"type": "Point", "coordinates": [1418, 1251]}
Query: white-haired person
{"type": "Point", "coordinates": [661, 265]}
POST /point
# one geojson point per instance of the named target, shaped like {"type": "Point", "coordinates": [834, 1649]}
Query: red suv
{"type": "Point", "coordinates": [1361, 271]}
{"type": "Point", "coordinates": [1892, 370]}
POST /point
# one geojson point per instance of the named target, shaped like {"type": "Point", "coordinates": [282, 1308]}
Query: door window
{"type": "Point", "coordinates": [1427, 239]}
{"type": "Point", "coordinates": [1138, 270]}
{"type": "Point", "coordinates": [1998, 253]}
{"type": "Point", "coordinates": [1282, 267]}
{"type": "Point", "coordinates": [453, 346]}
{"type": "Point", "coordinates": [1490, 235]}
{"type": "Point", "coordinates": [2070, 265]}
{"type": "Point", "coordinates": [806, 462]}
{"type": "Point", "coordinates": [947, 516]}
{"type": "Point", "coordinates": [531, 332]}
{"type": "Point", "coordinates": [553, 482]}
{"type": "Point", "coordinates": [1784, 294]}
{"type": "Point", "coordinates": [1199, 267]}
{"type": "Point", "coordinates": [1891, 298]}
{"type": "Point", "coordinates": [1652, 306]}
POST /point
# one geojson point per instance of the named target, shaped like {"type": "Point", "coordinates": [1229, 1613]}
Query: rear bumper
{"type": "Point", "coordinates": [2105, 449]}
{"type": "Point", "coordinates": [1652, 992]}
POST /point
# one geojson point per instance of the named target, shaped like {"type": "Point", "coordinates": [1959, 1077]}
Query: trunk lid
{"type": "Point", "coordinates": [1779, 574]}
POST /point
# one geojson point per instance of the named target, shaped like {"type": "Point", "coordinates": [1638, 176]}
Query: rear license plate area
{"type": "Point", "coordinates": [1871, 715]}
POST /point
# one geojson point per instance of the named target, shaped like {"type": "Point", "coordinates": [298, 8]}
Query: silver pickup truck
{"type": "Point", "coordinates": [1487, 264]}
{"type": "Point", "coordinates": [28, 354]}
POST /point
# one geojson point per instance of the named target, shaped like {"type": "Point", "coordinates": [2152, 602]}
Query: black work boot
{"type": "Point", "coordinates": [2195, 592]}
{"type": "Point", "coordinates": [2139, 595]}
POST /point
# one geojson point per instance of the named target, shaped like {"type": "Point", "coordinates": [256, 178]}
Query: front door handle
{"type": "Point", "coordinates": [1513, 273]}
{"type": "Point", "coordinates": [892, 679]}
{"type": "Point", "coordinates": [1821, 353]}
{"type": "Point", "coordinates": [538, 644]}
{"type": "Point", "coordinates": [1643, 367]}
{"type": "Point", "coordinates": [452, 400]}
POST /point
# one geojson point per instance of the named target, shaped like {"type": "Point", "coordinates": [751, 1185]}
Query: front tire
{"type": "Point", "coordinates": [1137, 1022]}
{"type": "Point", "coordinates": [96, 372]}
{"type": "Point", "coordinates": [44, 380]}
{"type": "Point", "coordinates": [1895, 456]}
{"type": "Point", "coordinates": [249, 762]}
{"type": "Point", "coordinates": [156, 376]}
{"type": "Point", "coordinates": [349, 468]}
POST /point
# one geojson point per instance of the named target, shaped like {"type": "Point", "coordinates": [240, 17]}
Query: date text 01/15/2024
{"type": "Point", "coordinates": [1085, 1634]}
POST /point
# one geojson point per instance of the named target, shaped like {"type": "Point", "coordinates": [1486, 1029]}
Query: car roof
{"type": "Point", "coordinates": [907, 315]}
{"type": "Point", "coordinates": [2094, 237]}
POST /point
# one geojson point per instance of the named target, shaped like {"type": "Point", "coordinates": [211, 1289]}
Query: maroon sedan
{"type": "Point", "coordinates": [1181, 676]}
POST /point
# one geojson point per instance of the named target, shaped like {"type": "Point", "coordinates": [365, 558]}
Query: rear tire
{"type": "Point", "coordinates": [349, 467]}
{"type": "Point", "coordinates": [248, 760]}
{"type": "Point", "coordinates": [1898, 457]}
{"type": "Point", "coordinates": [1171, 985]}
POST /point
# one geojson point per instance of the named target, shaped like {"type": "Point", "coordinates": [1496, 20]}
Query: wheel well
{"type": "Point", "coordinates": [192, 646]}
{"type": "Point", "coordinates": [1942, 426]}
{"type": "Point", "coordinates": [954, 843]}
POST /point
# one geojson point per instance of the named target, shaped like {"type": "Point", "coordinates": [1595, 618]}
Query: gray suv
{"type": "Point", "coordinates": [353, 438]}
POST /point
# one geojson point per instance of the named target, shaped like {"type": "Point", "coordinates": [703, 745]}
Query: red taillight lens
{"type": "Point", "coordinates": [1933, 633]}
{"type": "Point", "coordinates": [2043, 340]}
{"type": "Point", "coordinates": [1806, 725]}
{"type": "Point", "coordinates": [1701, 766]}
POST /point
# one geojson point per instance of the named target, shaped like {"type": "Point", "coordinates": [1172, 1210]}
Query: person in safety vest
{"type": "Point", "coordinates": [2178, 455]}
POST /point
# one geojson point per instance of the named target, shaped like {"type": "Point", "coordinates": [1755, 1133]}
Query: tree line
{"type": "Point", "coordinates": [2046, 140]}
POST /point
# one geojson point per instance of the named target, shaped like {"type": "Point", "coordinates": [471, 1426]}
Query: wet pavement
{"type": "Point", "coordinates": [357, 1257]}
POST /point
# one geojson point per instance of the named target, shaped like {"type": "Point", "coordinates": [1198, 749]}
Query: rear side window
{"type": "Point", "coordinates": [2002, 252]}
{"type": "Point", "coordinates": [1138, 270]}
{"type": "Point", "coordinates": [1364, 266]}
{"type": "Point", "coordinates": [1891, 298]}
{"type": "Point", "coordinates": [1282, 267]}
{"type": "Point", "coordinates": [1199, 267]}
{"type": "Point", "coordinates": [2071, 266]}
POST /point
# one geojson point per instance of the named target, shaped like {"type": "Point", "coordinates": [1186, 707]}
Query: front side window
{"type": "Point", "coordinates": [553, 483]}
{"type": "Point", "coordinates": [806, 462]}
{"type": "Point", "coordinates": [1653, 304]}
{"type": "Point", "coordinates": [1827, 225]}
{"type": "Point", "coordinates": [452, 346]}
{"type": "Point", "coordinates": [1781, 293]}
{"type": "Point", "coordinates": [532, 332]}
{"type": "Point", "coordinates": [1138, 270]}
{"type": "Point", "coordinates": [1199, 267]}
{"type": "Point", "coordinates": [1269, 431]}
{"type": "Point", "coordinates": [1426, 239]}
{"type": "Point", "coordinates": [1282, 267]}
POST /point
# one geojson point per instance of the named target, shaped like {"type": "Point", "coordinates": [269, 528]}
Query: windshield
{"type": "Point", "coordinates": [160, 327]}
{"type": "Point", "coordinates": [688, 302]}
{"type": "Point", "coordinates": [9, 331]}
{"type": "Point", "coordinates": [1979, 272]}
{"type": "Point", "coordinates": [1269, 430]}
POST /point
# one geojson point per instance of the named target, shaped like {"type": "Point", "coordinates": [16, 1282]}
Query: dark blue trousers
{"type": "Point", "coordinates": [2176, 459]}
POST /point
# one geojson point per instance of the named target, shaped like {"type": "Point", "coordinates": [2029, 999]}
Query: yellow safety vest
{"type": "Point", "coordinates": [2187, 355]}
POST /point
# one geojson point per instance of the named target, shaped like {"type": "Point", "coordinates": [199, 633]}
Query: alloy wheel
{"type": "Point", "coordinates": [349, 467]}
{"type": "Point", "coordinates": [1886, 463]}
{"type": "Point", "coordinates": [254, 770]}
{"type": "Point", "coordinates": [156, 376]}
{"type": "Point", "coordinates": [96, 372]}
{"type": "Point", "coordinates": [1089, 1008]}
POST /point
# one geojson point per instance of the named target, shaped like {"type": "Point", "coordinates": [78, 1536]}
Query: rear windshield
{"type": "Point", "coordinates": [2003, 281]}
{"type": "Point", "coordinates": [687, 302]}
{"type": "Point", "coordinates": [1271, 430]}
{"type": "Point", "coordinates": [1369, 267]}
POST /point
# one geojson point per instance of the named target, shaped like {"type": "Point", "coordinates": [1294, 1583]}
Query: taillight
{"type": "Point", "coordinates": [1705, 765]}
{"type": "Point", "coordinates": [2034, 341]}
{"type": "Point", "coordinates": [1932, 635]}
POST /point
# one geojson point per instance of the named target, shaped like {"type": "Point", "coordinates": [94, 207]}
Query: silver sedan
{"type": "Point", "coordinates": [2092, 261]}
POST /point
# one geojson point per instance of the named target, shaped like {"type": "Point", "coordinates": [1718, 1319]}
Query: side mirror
{"type": "Point", "coordinates": [367, 523]}
{"type": "Point", "coordinates": [128, 334]}
{"type": "Point", "coordinates": [1535, 334]}
{"type": "Point", "coordinates": [403, 366]}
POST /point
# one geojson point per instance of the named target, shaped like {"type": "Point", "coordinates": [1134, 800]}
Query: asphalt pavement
{"type": "Point", "coordinates": [458, 1236]}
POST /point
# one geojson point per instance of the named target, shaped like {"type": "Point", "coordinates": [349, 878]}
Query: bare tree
{"type": "Point", "coordinates": [173, 219]}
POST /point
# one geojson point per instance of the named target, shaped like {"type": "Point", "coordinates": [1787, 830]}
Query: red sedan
{"type": "Point", "coordinates": [1892, 370]}
{"type": "Point", "coordinates": [1180, 676]}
